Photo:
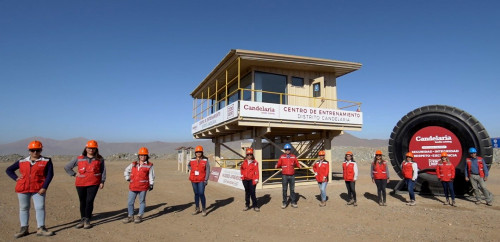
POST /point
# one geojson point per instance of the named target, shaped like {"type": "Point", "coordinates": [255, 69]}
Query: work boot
{"type": "Point", "coordinates": [128, 219]}
{"type": "Point", "coordinates": [350, 202]}
{"type": "Point", "coordinates": [79, 225]}
{"type": "Point", "coordinates": [322, 204]}
{"type": "Point", "coordinates": [477, 202]}
{"type": "Point", "coordinates": [138, 219]}
{"type": "Point", "coordinates": [246, 208]}
{"type": "Point", "coordinates": [489, 204]}
{"type": "Point", "coordinates": [86, 224]}
{"type": "Point", "coordinates": [22, 232]}
{"type": "Point", "coordinates": [256, 209]}
{"type": "Point", "coordinates": [294, 205]}
{"type": "Point", "coordinates": [355, 204]}
{"type": "Point", "coordinates": [196, 211]}
{"type": "Point", "coordinates": [204, 212]}
{"type": "Point", "coordinates": [384, 204]}
{"type": "Point", "coordinates": [447, 202]}
{"type": "Point", "coordinates": [380, 203]}
{"type": "Point", "coordinates": [283, 206]}
{"type": "Point", "coordinates": [453, 203]}
{"type": "Point", "coordinates": [412, 203]}
{"type": "Point", "coordinates": [42, 231]}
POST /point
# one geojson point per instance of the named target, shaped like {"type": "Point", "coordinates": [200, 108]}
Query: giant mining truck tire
{"type": "Point", "coordinates": [467, 129]}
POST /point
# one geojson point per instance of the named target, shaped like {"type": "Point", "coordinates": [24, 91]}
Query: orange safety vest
{"type": "Point", "coordinates": [89, 174]}
{"type": "Point", "coordinates": [479, 165]}
{"type": "Point", "coordinates": [139, 178]}
{"type": "Point", "coordinates": [197, 167]}
{"type": "Point", "coordinates": [321, 171]}
{"type": "Point", "coordinates": [379, 170]}
{"type": "Point", "coordinates": [348, 171]}
{"type": "Point", "coordinates": [408, 170]}
{"type": "Point", "coordinates": [445, 171]}
{"type": "Point", "coordinates": [249, 171]}
{"type": "Point", "coordinates": [32, 176]}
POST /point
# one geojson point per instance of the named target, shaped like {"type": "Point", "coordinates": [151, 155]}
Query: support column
{"type": "Point", "coordinates": [217, 151]}
{"type": "Point", "coordinates": [257, 152]}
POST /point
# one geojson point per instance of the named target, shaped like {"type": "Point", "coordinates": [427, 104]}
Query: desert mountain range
{"type": "Point", "coordinates": [76, 145]}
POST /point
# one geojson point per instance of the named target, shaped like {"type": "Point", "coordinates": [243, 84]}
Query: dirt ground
{"type": "Point", "coordinates": [168, 215]}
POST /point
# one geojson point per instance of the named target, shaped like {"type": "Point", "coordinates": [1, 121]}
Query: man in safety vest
{"type": "Point", "coordinates": [410, 174]}
{"type": "Point", "coordinates": [477, 173]}
{"type": "Point", "coordinates": [287, 162]}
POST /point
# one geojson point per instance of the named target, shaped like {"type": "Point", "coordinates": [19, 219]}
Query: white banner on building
{"type": "Point", "coordinates": [287, 112]}
{"type": "Point", "coordinates": [218, 117]}
{"type": "Point", "coordinates": [231, 177]}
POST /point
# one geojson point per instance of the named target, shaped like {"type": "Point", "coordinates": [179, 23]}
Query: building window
{"type": "Point", "coordinates": [298, 81]}
{"type": "Point", "coordinates": [246, 83]}
{"type": "Point", "coordinates": [316, 90]}
{"type": "Point", "coordinates": [269, 82]}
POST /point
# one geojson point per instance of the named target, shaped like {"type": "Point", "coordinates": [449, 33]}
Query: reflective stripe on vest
{"type": "Point", "coordinates": [32, 176]}
{"type": "Point", "coordinates": [379, 170]}
{"type": "Point", "coordinates": [88, 174]}
{"type": "Point", "coordinates": [139, 176]}
{"type": "Point", "coordinates": [479, 165]}
{"type": "Point", "coordinates": [198, 167]}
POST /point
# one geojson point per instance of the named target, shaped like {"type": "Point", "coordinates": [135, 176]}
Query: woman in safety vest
{"type": "Point", "coordinates": [141, 176]}
{"type": "Point", "coordinates": [410, 174]}
{"type": "Point", "coordinates": [90, 177]}
{"type": "Point", "coordinates": [36, 173]}
{"type": "Point", "coordinates": [380, 176]}
{"type": "Point", "coordinates": [321, 169]}
{"type": "Point", "coordinates": [199, 168]}
{"type": "Point", "coordinates": [350, 169]}
{"type": "Point", "coordinates": [250, 177]}
{"type": "Point", "coordinates": [445, 172]}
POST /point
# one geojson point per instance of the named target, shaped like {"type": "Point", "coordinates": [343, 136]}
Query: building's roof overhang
{"type": "Point", "coordinates": [256, 58]}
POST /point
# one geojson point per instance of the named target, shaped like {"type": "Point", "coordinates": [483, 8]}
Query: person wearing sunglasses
{"type": "Point", "coordinates": [250, 177]}
{"type": "Point", "coordinates": [287, 162]}
{"type": "Point", "coordinates": [90, 177]}
{"type": "Point", "coordinates": [36, 173]}
{"type": "Point", "coordinates": [380, 176]}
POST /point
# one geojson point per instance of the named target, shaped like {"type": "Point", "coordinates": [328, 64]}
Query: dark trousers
{"type": "Point", "coordinates": [87, 195]}
{"type": "Point", "coordinates": [249, 193]}
{"type": "Point", "coordinates": [199, 194]}
{"type": "Point", "coordinates": [351, 189]}
{"type": "Point", "coordinates": [448, 189]}
{"type": "Point", "coordinates": [286, 181]}
{"type": "Point", "coordinates": [381, 185]}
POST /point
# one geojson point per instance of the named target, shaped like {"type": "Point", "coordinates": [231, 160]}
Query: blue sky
{"type": "Point", "coordinates": [123, 70]}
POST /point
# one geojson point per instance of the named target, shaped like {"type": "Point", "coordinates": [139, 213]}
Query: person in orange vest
{"type": "Point", "coordinates": [321, 169]}
{"type": "Point", "coordinates": [90, 177]}
{"type": "Point", "coordinates": [199, 172]}
{"type": "Point", "coordinates": [410, 174]}
{"type": "Point", "coordinates": [445, 172]}
{"type": "Point", "coordinates": [477, 174]}
{"type": "Point", "coordinates": [141, 176]}
{"type": "Point", "coordinates": [36, 173]}
{"type": "Point", "coordinates": [287, 162]}
{"type": "Point", "coordinates": [350, 170]}
{"type": "Point", "coordinates": [250, 177]}
{"type": "Point", "coordinates": [380, 176]}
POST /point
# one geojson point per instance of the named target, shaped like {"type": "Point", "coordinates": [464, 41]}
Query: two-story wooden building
{"type": "Point", "coordinates": [273, 99]}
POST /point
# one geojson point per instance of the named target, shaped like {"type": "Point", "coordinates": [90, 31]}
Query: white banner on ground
{"type": "Point", "coordinates": [231, 177]}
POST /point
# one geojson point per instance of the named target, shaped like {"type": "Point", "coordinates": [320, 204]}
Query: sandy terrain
{"type": "Point", "coordinates": [168, 216]}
